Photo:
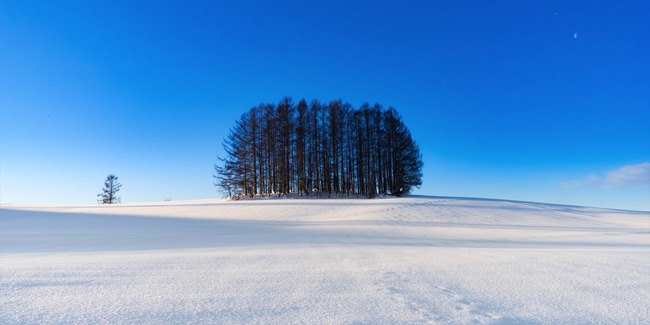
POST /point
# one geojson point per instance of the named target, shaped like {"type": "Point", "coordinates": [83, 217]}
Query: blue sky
{"type": "Point", "coordinates": [530, 100]}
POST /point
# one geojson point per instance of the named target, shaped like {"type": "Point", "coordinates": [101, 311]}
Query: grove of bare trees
{"type": "Point", "coordinates": [316, 148]}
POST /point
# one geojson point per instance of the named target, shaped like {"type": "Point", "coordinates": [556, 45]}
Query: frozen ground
{"type": "Point", "coordinates": [385, 261]}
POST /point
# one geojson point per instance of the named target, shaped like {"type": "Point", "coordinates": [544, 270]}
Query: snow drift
{"type": "Point", "coordinates": [391, 260]}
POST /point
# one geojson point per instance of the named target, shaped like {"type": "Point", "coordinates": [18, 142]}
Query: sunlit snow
{"type": "Point", "coordinates": [336, 261]}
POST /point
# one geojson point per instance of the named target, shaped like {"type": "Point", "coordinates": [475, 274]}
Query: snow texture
{"type": "Point", "coordinates": [415, 260]}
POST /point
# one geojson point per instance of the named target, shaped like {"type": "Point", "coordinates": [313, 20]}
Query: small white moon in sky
{"type": "Point", "coordinates": [575, 35]}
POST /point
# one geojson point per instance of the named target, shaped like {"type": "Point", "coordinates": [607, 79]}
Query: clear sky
{"type": "Point", "coordinates": [530, 100]}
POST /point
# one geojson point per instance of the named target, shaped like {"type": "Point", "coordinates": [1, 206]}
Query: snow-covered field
{"type": "Point", "coordinates": [383, 261]}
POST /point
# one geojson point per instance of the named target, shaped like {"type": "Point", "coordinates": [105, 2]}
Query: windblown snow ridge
{"type": "Point", "coordinates": [411, 221]}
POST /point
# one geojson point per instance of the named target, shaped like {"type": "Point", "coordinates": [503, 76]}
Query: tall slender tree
{"type": "Point", "coordinates": [301, 146]}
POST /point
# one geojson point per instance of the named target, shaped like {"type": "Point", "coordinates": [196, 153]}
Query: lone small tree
{"type": "Point", "coordinates": [109, 192]}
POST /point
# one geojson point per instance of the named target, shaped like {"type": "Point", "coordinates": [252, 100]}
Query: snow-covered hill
{"type": "Point", "coordinates": [340, 261]}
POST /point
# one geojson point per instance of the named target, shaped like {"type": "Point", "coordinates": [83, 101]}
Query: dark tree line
{"type": "Point", "coordinates": [319, 148]}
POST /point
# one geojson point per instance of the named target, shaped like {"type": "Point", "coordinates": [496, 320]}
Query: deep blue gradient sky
{"type": "Point", "coordinates": [531, 100]}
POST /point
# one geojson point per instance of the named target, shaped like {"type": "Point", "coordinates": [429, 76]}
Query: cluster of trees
{"type": "Point", "coordinates": [319, 148]}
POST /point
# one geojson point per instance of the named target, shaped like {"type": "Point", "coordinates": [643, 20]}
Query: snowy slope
{"type": "Point", "coordinates": [337, 261]}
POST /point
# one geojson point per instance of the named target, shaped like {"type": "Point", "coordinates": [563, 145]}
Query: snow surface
{"type": "Point", "coordinates": [384, 261]}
